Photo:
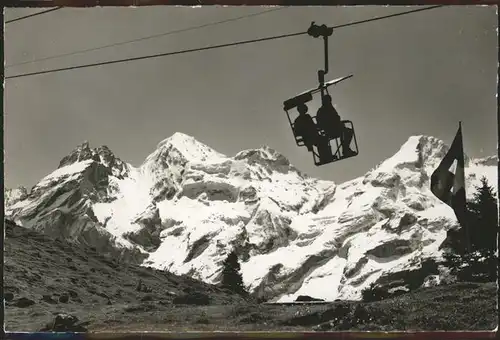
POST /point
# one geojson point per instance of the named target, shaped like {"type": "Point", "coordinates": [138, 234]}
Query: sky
{"type": "Point", "coordinates": [417, 74]}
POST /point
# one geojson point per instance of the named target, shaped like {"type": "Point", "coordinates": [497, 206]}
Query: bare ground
{"type": "Point", "coordinates": [43, 277]}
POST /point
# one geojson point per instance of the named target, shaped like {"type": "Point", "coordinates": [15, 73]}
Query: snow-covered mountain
{"type": "Point", "coordinates": [187, 206]}
{"type": "Point", "coordinates": [12, 196]}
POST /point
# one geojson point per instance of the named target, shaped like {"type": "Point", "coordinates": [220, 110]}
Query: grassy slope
{"type": "Point", "coordinates": [104, 293]}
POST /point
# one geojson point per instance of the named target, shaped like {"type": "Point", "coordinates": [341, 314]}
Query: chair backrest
{"type": "Point", "coordinates": [295, 101]}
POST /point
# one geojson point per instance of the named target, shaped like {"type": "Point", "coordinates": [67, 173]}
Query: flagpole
{"type": "Point", "coordinates": [466, 222]}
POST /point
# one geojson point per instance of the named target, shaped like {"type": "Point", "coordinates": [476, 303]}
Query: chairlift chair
{"type": "Point", "coordinates": [338, 153]}
{"type": "Point", "coordinates": [307, 96]}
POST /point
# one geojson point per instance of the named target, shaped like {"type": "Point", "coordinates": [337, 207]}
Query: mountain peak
{"type": "Point", "coordinates": [83, 152]}
{"type": "Point", "coordinates": [432, 150]}
{"type": "Point", "coordinates": [419, 151]}
{"type": "Point", "coordinates": [189, 148]}
{"type": "Point", "coordinates": [264, 152]}
{"type": "Point", "coordinates": [267, 157]}
{"type": "Point", "coordinates": [176, 138]}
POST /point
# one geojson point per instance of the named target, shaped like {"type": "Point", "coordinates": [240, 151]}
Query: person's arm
{"type": "Point", "coordinates": [319, 113]}
{"type": "Point", "coordinates": [297, 127]}
{"type": "Point", "coordinates": [311, 123]}
{"type": "Point", "coordinates": [319, 117]}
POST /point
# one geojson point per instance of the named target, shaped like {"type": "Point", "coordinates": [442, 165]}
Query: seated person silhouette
{"type": "Point", "coordinates": [329, 120]}
{"type": "Point", "coordinates": [305, 127]}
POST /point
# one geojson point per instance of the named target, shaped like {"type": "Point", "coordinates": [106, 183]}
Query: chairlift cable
{"type": "Point", "coordinates": [216, 46]}
{"type": "Point", "coordinates": [147, 37]}
{"type": "Point", "coordinates": [34, 14]}
{"type": "Point", "coordinates": [153, 56]}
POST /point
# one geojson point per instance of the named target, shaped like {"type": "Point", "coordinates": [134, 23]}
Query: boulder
{"type": "Point", "coordinates": [192, 298]}
{"type": "Point", "coordinates": [23, 302]}
{"type": "Point", "coordinates": [65, 323]}
{"type": "Point", "coordinates": [302, 298]}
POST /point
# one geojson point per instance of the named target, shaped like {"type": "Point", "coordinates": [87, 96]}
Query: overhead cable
{"type": "Point", "coordinates": [216, 46]}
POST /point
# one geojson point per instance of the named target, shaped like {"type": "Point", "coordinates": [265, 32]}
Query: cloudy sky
{"type": "Point", "coordinates": [414, 74]}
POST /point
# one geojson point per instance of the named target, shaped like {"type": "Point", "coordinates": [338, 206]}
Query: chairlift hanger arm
{"type": "Point", "coordinates": [325, 39]}
{"type": "Point", "coordinates": [324, 31]}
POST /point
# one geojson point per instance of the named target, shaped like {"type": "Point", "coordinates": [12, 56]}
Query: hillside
{"type": "Point", "coordinates": [45, 277]}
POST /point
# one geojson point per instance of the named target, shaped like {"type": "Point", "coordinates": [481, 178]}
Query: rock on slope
{"type": "Point", "coordinates": [187, 206]}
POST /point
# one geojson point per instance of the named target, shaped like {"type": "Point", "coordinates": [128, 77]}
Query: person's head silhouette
{"type": "Point", "coordinates": [302, 109]}
{"type": "Point", "coordinates": [327, 100]}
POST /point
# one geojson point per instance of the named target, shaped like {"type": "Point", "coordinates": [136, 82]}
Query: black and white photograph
{"type": "Point", "coordinates": [250, 168]}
